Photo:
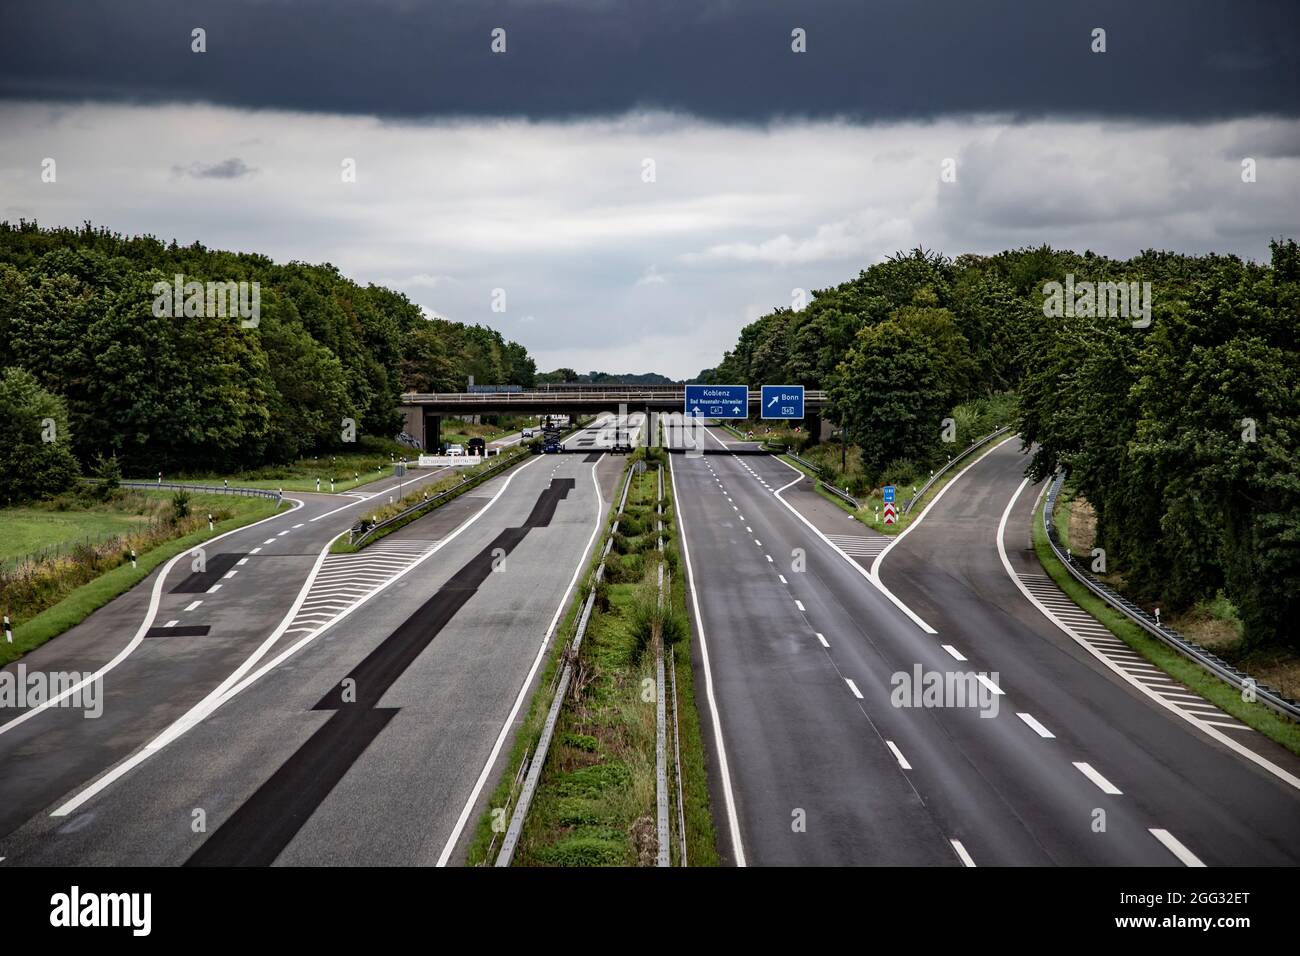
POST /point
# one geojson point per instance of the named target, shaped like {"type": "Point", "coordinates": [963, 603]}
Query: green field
{"type": "Point", "coordinates": [29, 530]}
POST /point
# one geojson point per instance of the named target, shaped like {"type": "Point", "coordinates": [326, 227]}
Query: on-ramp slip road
{"type": "Point", "coordinates": [1071, 765]}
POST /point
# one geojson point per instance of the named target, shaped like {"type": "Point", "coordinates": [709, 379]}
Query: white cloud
{"type": "Point", "coordinates": [558, 215]}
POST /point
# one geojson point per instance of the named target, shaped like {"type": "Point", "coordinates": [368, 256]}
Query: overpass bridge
{"type": "Point", "coordinates": [424, 411]}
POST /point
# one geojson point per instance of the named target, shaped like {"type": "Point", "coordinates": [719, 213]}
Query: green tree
{"type": "Point", "coordinates": [36, 459]}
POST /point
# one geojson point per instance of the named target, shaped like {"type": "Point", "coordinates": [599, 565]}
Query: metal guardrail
{"type": "Point", "coordinates": [516, 825]}
{"type": "Point", "coordinates": [1269, 696]}
{"type": "Point", "coordinates": [952, 461]}
{"type": "Point", "coordinates": [356, 535]}
{"type": "Point", "coordinates": [816, 469]}
{"type": "Point", "coordinates": [202, 489]}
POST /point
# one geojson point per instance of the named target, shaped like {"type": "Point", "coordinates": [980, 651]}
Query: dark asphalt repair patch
{"type": "Point", "coordinates": [181, 630]}
{"type": "Point", "coordinates": [257, 832]}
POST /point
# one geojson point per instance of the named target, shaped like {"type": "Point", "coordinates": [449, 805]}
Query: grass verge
{"type": "Point", "coordinates": [1227, 698]}
{"type": "Point", "coordinates": [93, 595]}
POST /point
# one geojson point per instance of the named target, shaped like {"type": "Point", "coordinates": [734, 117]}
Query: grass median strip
{"type": "Point", "coordinates": [595, 801]}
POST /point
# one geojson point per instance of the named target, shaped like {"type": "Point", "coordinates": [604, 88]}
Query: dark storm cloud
{"type": "Point", "coordinates": [1176, 59]}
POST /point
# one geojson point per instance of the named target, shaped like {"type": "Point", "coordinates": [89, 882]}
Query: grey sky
{"type": "Point", "coordinates": [533, 181]}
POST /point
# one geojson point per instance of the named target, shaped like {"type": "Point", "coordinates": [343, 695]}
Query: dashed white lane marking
{"type": "Point", "coordinates": [171, 623]}
{"type": "Point", "coordinates": [961, 853]}
{"type": "Point", "coordinates": [853, 687]}
{"type": "Point", "coordinates": [1102, 783]}
{"type": "Point", "coordinates": [898, 755]}
{"type": "Point", "coordinates": [1174, 846]}
{"type": "Point", "coordinates": [255, 550]}
{"type": "Point", "coordinates": [298, 525]}
{"type": "Point", "coordinates": [825, 643]}
{"type": "Point", "coordinates": [193, 605]}
{"type": "Point", "coordinates": [757, 542]}
{"type": "Point", "coordinates": [954, 652]}
{"type": "Point", "coordinates": [284, 532]}
{"type": "Point", "coordinates": [1035, 726]}
{"type": "Point", "coordinates": [769, 558]}
{"type": "Point", "coordinates": [783, 580]}
{"type": "Point", "coordinates": [799, 605]}
{"type": "Point", "coordinates": [269, 541]}
{"type": "Point", "coordinates": [214, 589]}
{"type": "Point", "coordinates": [749, 530]}
{"type": "Point", "coordinates": [242, 561]}
{"type": "Point", "coordinates": [230, 574]}
{"type": "Point", "coordinates": [987, 682]}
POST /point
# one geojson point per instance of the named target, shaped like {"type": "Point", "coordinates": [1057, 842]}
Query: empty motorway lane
{"type": "Point", "coordinates": [802, 655]}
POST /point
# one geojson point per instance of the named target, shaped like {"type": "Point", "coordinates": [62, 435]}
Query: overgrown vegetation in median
{"type": "Point", "coordinates": [595, 802]}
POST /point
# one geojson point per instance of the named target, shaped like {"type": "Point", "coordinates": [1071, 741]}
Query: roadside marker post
{"type": "Point", "coordinates": [9, 631]}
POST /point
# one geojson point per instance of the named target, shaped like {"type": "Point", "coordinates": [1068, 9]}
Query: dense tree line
{"type": "Point", "coordinates": [77, 312]}
{"type": "Point", "coordinates": [1184, 432]}
{"type": "Point", "coordinates": [561, 376]}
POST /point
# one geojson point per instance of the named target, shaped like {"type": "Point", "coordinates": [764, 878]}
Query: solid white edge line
{"type": "Point", "coordinates": [1175, 846]}
{"type": "Point", "coordinates": [724, 770]}
{"type": "Point", "coordinates": [898, 755]}
{"type": "Point", "coordinates": [468, 809]}
{"type": "Point", "coordinates": [220, 695]}
{"type": "Point", "coordinates": [875, 582]}
{"type": "Point", "coordinates": [1151, 695]}
{"type": "Point", "coordinates": [875, 565]}
{"type": "Point", "coordinates": [155, 599]}
{"type": "Point", "coordinates": [962, 854]}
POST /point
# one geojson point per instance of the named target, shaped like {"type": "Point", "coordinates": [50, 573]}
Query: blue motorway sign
{"type": "Point", "coordinates": [888, 494]}
{"type": "Point", "coordinates": [718, 401]}
{"type": "Point", "coordinates": [783, 401]}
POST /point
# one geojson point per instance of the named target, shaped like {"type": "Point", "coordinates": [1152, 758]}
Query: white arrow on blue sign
{"type": "Point", "coordinates": [783, 401]}
{"type": "Point", "coordinates": [718, 401]}
{"type": "Point", "coordinates": [888, 494]}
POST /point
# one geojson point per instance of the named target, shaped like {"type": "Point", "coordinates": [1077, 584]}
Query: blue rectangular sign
{"type": "Point", "coordinates": [718, 401]}
{"type": "Point", "coordinates": [783, 401]}
{"type": "Point", "coordinates": [888, 494]}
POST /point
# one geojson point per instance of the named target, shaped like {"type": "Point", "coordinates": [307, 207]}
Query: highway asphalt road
{"type": "Point", "coordinates": [277, 765]}
{"type": "Point", "coordinates": [804, 652]}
